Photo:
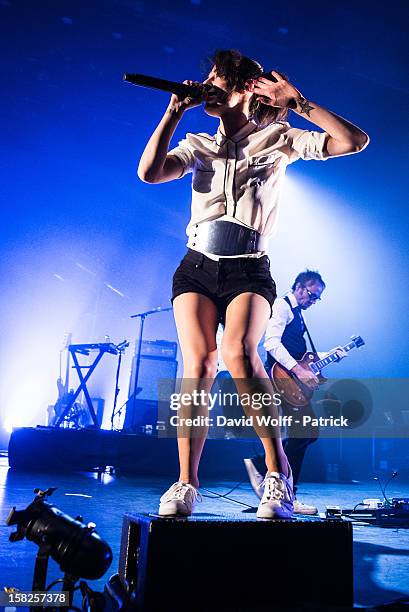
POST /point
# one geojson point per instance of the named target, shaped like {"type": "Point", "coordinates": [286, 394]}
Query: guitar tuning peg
{"type": "Point", "coordinates": [358, 341]}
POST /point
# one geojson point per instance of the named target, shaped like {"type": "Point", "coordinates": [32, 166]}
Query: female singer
{"type": "Point", "coordinates": [225, 274]}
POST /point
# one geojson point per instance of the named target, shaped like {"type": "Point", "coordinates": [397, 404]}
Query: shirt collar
{"type": "Point", "coordinates": [243, 132]}
{"type": "Point", "coordinates": [292, 299]}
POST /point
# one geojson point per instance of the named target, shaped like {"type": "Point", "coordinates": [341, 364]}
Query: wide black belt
{"type": "Point", "coordinates": [225, 238]}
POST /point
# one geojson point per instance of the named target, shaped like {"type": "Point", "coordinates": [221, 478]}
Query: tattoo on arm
{"type": "Point", "coordinates": [305, 106]}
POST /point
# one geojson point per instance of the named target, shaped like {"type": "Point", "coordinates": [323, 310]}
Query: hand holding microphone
{"type": "Point", "coordinates": [195, 95]}
{"type": "Point", "coordinates": [185, 95]}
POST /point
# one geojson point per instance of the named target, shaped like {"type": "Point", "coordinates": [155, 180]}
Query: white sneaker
{"type": "Point", "coordinates": [178, 500]}
{"type": "Point", "coordinates": [300, 508]}
{"type": "Point", "coordinates": [256, 479]}
{"type": "Point", "coordinates": [278, 498]}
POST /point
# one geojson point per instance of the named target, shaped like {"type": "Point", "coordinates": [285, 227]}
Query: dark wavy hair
{"type": "Point", "coordinates": [237, 69]}
{"type": "Point", "coordinates": [307, 276]}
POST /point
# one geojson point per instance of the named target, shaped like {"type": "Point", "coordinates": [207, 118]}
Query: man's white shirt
{"type": "Point", "coordinates": [281, 316]}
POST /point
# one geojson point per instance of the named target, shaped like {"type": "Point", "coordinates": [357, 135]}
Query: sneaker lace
{"type": "Point", "coordinates": [273, 488]}
{"type": "Point", "coordinates": [179, 490]}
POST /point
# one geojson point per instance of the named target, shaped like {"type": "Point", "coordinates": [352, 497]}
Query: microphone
{"type": "Point", "coordinates": [180, 89]}
{"type": "Point", "coordinates": [186, 91]}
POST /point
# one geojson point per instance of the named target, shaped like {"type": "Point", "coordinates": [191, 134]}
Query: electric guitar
{"type": "Point", "coordinates": [291, 389]}
{"type": "Point", "coordinates": [64, 395]}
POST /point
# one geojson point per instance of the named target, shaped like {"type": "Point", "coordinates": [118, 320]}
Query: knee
{"type": "Point", "coordinates": [202, 366]}
{"type": "Point", "coordinates": [237, 352]}
{"type": "Point", "coordinates": [233, 352]}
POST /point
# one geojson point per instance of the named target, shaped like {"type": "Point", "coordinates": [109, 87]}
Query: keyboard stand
{"type": "Point", "coordinates": [74, 349]}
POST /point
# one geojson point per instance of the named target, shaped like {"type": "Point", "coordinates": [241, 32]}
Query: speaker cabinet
{"type": "Point", "coordinates": [214, 563]}
{"type": "Point", "coordinates": [141, 416]}
{"type": "Point", "coordinates": [157, 361]}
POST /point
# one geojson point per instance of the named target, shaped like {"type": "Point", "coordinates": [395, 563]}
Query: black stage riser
{"type": "Point", "coordinates": [55, 450]}
{"type": "Point", "coordinates": [49, 449]}
{"type": "Point", "coordinates": [211, 563]}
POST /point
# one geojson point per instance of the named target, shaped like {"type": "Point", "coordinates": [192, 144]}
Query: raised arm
{"type": "Point", "coordinates": [343, 136]}
{"type": "Point", "coordinates": [155, 165]}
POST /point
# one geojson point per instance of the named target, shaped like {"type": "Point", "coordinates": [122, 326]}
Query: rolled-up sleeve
{"type": "Point", "coordinates": [183, 152]}
{"type": "Point", "coordinates": [306, 144]}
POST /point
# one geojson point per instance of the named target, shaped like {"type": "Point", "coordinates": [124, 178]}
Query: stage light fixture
{"type": "Point", "coordinates": [76, 547]}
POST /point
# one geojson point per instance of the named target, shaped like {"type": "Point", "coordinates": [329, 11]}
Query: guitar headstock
{"type": "Point", "coordinates": [66, 342]}
{"type": "Point", "coordinates": [358, 341]}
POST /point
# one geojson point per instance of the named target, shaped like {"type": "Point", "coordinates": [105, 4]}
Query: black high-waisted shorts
{"type": "Point", "coordinates": [223, 280]}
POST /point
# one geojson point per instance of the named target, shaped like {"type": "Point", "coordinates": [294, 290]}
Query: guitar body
{"type": "Point", "coordinates": [291, 389]}
{"type": "Point", "coordinates": [60, 406]}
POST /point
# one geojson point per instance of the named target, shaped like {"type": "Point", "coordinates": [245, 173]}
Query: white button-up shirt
{"type": "Point", "coordinates": [281, 316]}
{"type": "Point", "coordinates": [239, 178]}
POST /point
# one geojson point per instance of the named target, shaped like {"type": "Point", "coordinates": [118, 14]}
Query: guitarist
{"type": "Point", "coordinates": [285, 343]}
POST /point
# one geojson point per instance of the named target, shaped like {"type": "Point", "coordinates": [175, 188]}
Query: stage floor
{"type": "Point", "coordinates": [381, 556]}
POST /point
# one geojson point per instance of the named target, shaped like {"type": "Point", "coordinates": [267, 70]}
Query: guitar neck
{"type": "Point", "coordinates": [67, 374]}
{"type": "Point", "coordinates": [67, 365]}
{"type": "Point", "coordinates": [317, 366]}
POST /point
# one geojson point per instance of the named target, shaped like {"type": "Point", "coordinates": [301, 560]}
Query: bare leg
{"type": "Point", "coordinates": [246, 320]}
{"type": "Point", "coordinates": [196, 322]}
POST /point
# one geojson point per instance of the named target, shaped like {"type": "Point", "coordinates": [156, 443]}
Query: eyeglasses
{"type": "Point", "coordinates": [312, 296]}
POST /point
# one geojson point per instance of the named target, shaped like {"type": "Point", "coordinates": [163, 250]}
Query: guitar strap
{"type": "Point", "coordinates": [309, 336]}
